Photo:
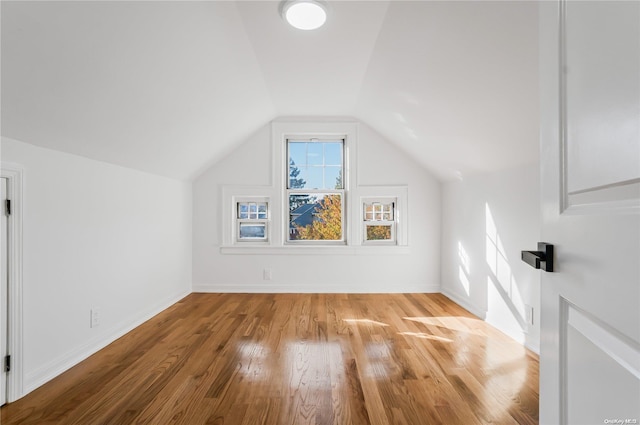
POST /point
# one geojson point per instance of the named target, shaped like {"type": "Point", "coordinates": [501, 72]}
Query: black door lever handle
{"type": "Point", "coordinates": [540, 259]}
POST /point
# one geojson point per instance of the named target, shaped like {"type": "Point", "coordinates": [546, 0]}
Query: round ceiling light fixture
{"type": "Point", "coordinates": [304, 14]}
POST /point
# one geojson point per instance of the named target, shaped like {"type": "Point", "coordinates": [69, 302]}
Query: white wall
{"type": "Point", "coordinates": [487, 219]}
{"type": "Point", "coordinates": [416, 269]}
{"type": "Point", "coordinates": [94, 235]}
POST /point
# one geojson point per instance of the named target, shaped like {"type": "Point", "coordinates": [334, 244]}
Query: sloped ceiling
{"type": "Point", "coordinates": [171, 87]}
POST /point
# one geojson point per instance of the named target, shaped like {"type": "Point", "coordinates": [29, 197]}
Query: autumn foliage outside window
{"type": "Point", "coordinates": [327, 222]}
{"type": "Point", "coordinates": [315, 190]}
{"type": "Point", "coordinates": [379, 221]}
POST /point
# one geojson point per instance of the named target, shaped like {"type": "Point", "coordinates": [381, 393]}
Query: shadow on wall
{"type": "Point", "coordinates": [502, 297]}
{"type": "Point", "coordinates": [502, 287]}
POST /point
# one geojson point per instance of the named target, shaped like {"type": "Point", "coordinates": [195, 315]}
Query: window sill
{"type": "Point", "coordinates": [315, 250]}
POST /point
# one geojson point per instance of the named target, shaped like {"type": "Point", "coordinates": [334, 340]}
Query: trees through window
{"type": "Point", "coordinates": [315, 190]}
{"type": "Point", "coordinates": [379, 221]}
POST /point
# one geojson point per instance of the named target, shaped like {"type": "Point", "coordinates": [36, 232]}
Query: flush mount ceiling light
{"type": "Point", "coordinates": [304, 14]}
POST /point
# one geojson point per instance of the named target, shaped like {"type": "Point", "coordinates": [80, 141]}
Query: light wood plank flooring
{"type": "Point", "coordinates": [297, 359]}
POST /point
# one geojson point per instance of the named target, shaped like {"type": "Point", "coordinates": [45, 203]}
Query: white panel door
{"type": "Point", "coordinates": [3, 292]}
{"type": "Point", "coordinates": [590, 168]}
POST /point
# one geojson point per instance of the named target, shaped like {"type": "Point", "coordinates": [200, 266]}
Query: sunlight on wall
{"type": "Point", "coordinates": [504, 300]}
{"type": "Point", "coordinates": [463, 268]}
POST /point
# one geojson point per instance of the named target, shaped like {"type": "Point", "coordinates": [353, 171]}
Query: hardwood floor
{"type": "Point", "coordinates": [297, 359]}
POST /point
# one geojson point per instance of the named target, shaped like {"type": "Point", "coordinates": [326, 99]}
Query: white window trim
{"type": "Point", "coordinates": [275, 190]}
{"type": "Point", "coordinates": [237, 221]}
{"type": "Point", "coordinates": [399, 195]}
{"type": "Point", "coordinates": [393, 223]}
{"type": "Point", "coordinates": [289, 191]}
{"type": "Point", "coordinates": [231, 195]}
{"type": "Point", "coordinates": [283, 130]}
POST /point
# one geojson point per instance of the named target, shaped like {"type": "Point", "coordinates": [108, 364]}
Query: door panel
{"type": "Point", "coordinates": [597, 353]}
{"type": "Point", "coordinates": [599, 89]}
{"type": "Point", "coordinates": [590, 169]}
{"type": "Point", "coordinates": [601, 85]}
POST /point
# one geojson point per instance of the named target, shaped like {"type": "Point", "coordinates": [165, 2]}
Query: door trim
{"type": "Point", "coordinates": [14, 175]}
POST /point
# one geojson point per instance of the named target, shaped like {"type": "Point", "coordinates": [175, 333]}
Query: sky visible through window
{"type": "Point", "coordinates": [319, 164]}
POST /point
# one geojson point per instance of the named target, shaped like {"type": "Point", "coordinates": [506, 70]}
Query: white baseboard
{"type": "Point", "coordinates": [458, 299]}
{"type": "Point", "coordinates": [47, 372]}
{"type": "Point", "coordinates": [533, 347]}
{"type": "Point", "coordinates": [273, 288]}
{"type": "Point", "coordinates": [520, 337]}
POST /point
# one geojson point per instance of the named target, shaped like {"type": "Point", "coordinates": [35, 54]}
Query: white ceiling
{"type": "Point", "coordinates": [172, 87]}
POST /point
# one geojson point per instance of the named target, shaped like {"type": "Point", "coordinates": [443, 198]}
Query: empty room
{"type": "Point", "coordinates": [320, 212]}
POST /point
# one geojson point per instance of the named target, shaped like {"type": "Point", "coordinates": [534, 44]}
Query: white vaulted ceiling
{"type": "Point", "coordinates": [172, 87]}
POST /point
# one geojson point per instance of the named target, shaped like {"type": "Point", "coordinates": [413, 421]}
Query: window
{"type": "Point", "coordinates": [379, 221]}
{"type": "Point", "coordinates": [252, 221]}
{"type": "Point", "coordinates": [312, 202]}
{"type": "Point", "coordinates": [315, 190]}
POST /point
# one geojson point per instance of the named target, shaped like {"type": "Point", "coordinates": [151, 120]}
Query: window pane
{"type": "Point", "coordinates": [252, 231]}
{"type": "Point", "coordinates": [379, 233]}
{"type": "Point", "coordinates": [297, 176]}
{"type": "Point", "coordinates": [376, 211]}
{"type": "Point", "coordinates": [315, 217]}
{"type": "Point", "coordinates": [298, 153]}
{"type": "Point", "coordinates": [315, 178]}
{"type": "Point", "coordinates": [333, 153]}
{"type": "Point", "coordinates": [262, 210]}
{"type": "Point", "coordinates": [243, 210]}
{"type": "Point", "coordinates": [333, 177]}
{"type": "Point", "coordinates": [316, 165]}
{"type": "Point", "coordinates": [315, 155]}
{"type": "Point", "coordinates": [253, 210]}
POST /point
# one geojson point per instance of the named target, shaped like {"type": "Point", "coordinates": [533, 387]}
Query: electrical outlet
{"type": "Point", "coordinates": [266, 274]}
{"type": "Point", "coordinates": [95, 317]}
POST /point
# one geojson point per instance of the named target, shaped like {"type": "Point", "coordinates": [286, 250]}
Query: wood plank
{"type": "Point", "coordinates": [297, 359]}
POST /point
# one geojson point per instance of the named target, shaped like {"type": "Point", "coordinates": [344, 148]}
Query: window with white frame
{"type": "Point", "coordinates": [252, 220]}
{"type": "Point", "coordinates": [313, 198]}
{"type": "Point", "coordinates": [315, 190]}
{"type": "Point", "coordinates": [379, 221]}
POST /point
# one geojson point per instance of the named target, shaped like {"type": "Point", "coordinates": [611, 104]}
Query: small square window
{"type": "Point", "coordinates": [252, 221]}
{"type": "Point", "coordinates": [379, 223]}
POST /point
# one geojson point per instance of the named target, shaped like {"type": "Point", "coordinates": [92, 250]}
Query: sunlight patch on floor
{"type": "Point", "coordinates": [454, 323]}
{"type": "Point", "coordinates": [423, 335]}
{"type": "Point", "coordinates": [367, 321]}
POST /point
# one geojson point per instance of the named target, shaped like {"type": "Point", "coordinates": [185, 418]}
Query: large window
{"type": "Point", "coordinates": [315, 190]}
